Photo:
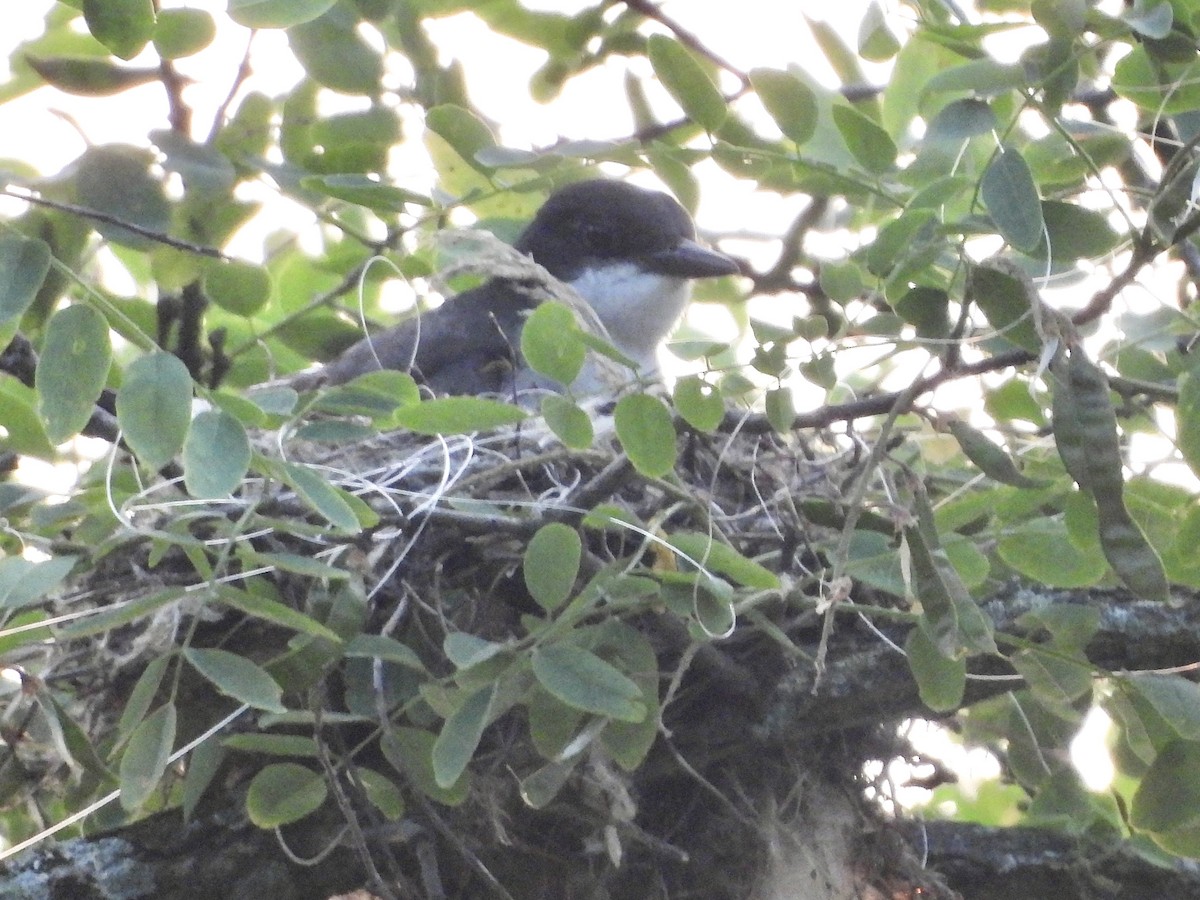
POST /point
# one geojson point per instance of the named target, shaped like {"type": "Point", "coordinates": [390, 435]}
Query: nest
{"type": "Point", "coordinates": [708, 809]}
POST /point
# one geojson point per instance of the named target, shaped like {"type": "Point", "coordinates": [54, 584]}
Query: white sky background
{"type": "Point", "coordinates": [748, 33]}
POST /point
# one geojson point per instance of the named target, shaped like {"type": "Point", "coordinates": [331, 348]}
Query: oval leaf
{"type": "Point", "coordinates": [551, 344]}
{"type": "Point", "coordinates": [1169, 795]}
{"type": "Point", "coordinates": [216, 455]}
{"type": "Point", "coordinates": [237, 677]}
{"type": "Point", "coordinates": [941, 680]}
{"type": "Point", "coordinates": [1011, 197]}
{"type": "Point", "coordinates": [24, 263]}
{"type": "Point", "coordinates": [146, 756]}
{"type": "Point", "coordinates": [115, 180]}
{"type": "Point", "coordinates": [72, 370]}
{"type": "Point", "coordinates": [687, 82]}
{"type": "Point", "coordinates": [182, 32]}
{"type": "Point", "coordinates": [457, 415]}
{"type": "Point", "coordinates": [570, 424]}
{"type": "Point", "coordinates": [647, 433]}
{"type": "Point", "coordinates": [283, 793]}
{"type": "Point", "coordinates": [123, 26]}
{"type": "Point", "coordinates": [454, 747]}
{"type": "Point", "coordinates": [583, 681]}
{"type": "Point", "coordinates": [991, 459]}
{"type": "Point", "coordinates": [871, 146]}
{"type": "Point", "coordinates": [789, 101]}
{"type": "Point", "coordinates": [551, 564]}
{"type": "Point", "coordinates": [23, 581]}
{"type": "Point", "coordinates": [276, 13]}
{"type": "Point", "coordinates": [698, 402]}
{"type": "Point", "coordinates": [154, 407]}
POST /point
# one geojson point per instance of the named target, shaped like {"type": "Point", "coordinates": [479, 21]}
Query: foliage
{"type": "Point", "coordinates": [997, 222]}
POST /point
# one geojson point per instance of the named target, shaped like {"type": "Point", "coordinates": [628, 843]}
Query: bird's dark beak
{"type": "Point", "coordinates": [690, 260]}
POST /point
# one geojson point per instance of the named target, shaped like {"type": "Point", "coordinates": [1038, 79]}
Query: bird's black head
{"type": "Point", "coordinates": [597, 222]}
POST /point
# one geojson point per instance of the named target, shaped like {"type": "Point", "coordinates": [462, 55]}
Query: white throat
{"type": "Point", "coordinates": [638, 308]}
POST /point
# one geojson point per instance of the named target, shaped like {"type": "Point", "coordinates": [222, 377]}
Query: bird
{"type": "Point", "coordinates": [628, 251]}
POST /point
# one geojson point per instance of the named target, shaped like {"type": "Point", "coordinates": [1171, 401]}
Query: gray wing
{"type": "Point", "coordinates": [468, 345]}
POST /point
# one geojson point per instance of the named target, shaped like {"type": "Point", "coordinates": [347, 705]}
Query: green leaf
{"type": "Point", "coordinates": [457, 415]}
{"type": "Point", "coordinates": [283, 793]}
{"type": "Point", "coordinates": [1007, 302]}
{"type": "Point", "coordinates": [273, 611]}
{"type": "Point", "coordinates": [991, 459]}
{"type": "Point", "coordinates": [687, 82]}
{"type": "Point", "coordinates": [1168, 798]}
{"type": "Point", "coordinates": [647, 434]}
{"type": "Point", "coordinates": [237, 677]}
{"type": "Point", "coordinates": [410, 751]}
{"type": "Point", "coordinates": [183, 32]}
{"type": "Point", "coordinates": [698, 403]}
{"type": "Point", "coordinates": [123, 26]}
{"type": "Point", "coordinates": [23, 582]}
{"type": "Point", "coordinates": [551, 343]}
{"type": "Point", "coordinates": [1174, 698]}
{"type": "Point", "coordinates": [154, 407]}
{"type": "Point", "coordinates": [1057, 682]}
{"type": "Point", "coordinates": [941, 680]}
{"type": "Point", "coordinates": [718, 557]}
{"type": "Point", "coordinates": [568, 421]}
{"type": "Point", "coordinates": [146, 756]}
{"type": "Point", "coordinates": [89, 77]}
{"type": "Point", "coordinates": [382, 647]}
{"type": "Point", "coordinates": [460, 736]}
{"type": "Point", "coordinates": [318, 494]}
{"type": "Point", "coordinates": [301, 746]}
{"type": "Point", "coordinates": [239, 287]}
{"type": "Point", "coordinates": [876, 41]}
{"type": "Point", "coordinates": [585, 682]}
{"type": "Point", "coordinates": [551, 564]}
{"type": "Point", "coordinates": [1011, 197]}
{"type": "Point", "coordinates": [466, 134]}
{"type": "Point", "coordinates": [1042, 551]}
{"type": "Point", "coordinates": [115, 179]}
{"type": "Point", "coordinates": [72, 370]}
{"type": "Point", "coordinates": [1150, 19]}
{"type": "Point", "coordinates": [1187, 418]}
{"type": "Point", "coordinates": [276, 13]}
{"type": "Point", "coordinates": [202, 767]}
{"type": "Point", "coordinates": [985, 77]}
{"type": "Point", "coordinates": [383, 793]}
{"type": "Point", "coordinates": [466, 650]}
{"type": "Point", "coordinates": [1076, 232]}
{"type": "Point", "coordinates": [960, 120]}
{"type": "Point", "coordinates": [780, 407]}
{"type": "Point", "coordinates": [24, 264]}
{"type": "Point", "coordinates": [364, 190]}
{"type": "Point", "coordinates": [205, 171]}
{"type": "Point", "coordinates": [871, 146]}
{"type": "Point", "coordinates": [216, 455]}
{"type": "Point", "coordinates": [789, 101]}
{"type": "Point", "coordinates": [335, 55]}
{"type": "Point", "coordinates": [145, 689]}
{"type": "Point", "coordinates": [541, 787]}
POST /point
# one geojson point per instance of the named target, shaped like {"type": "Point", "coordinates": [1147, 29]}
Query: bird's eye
{"type": "Point", "coordinates": [600, 240]}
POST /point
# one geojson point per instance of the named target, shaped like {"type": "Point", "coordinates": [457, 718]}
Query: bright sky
{"type": "Point", "coordinates": [48, 118]}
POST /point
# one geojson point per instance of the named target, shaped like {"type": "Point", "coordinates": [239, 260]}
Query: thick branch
{"type": "Point", "coordinates": [1018, 863]}
{"type": "Point", "coordinates": [874, 684]}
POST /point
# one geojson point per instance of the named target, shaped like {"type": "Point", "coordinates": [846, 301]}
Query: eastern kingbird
{"type": "Point", "coordinates": [627, 251]}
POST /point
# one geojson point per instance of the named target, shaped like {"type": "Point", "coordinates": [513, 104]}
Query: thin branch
{"type": "Point", "coordinates": [96, 215]}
